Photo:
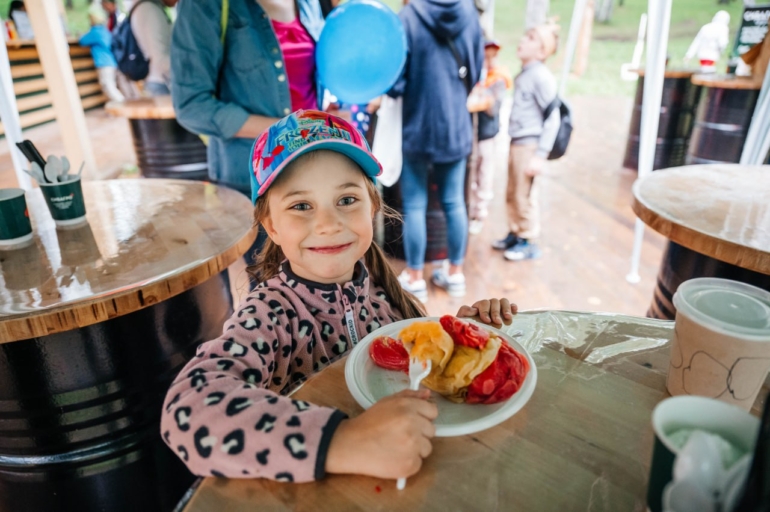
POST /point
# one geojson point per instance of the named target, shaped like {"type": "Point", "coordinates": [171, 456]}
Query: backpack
{"type": "Point", "coordinates": [131, 60]}
{"type": "Point", "coordinates": [565, 128]}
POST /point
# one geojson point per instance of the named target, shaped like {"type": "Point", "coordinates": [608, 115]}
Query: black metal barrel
{"type": "Point", "coordinates": [722, 120]}
{"type": "Point", "coordinates": [80, 410]}
{"type": "Point", "coordinates": [677, 113]}
{"type": "Point", "coordinates": [164, 149]}
{"type": "Point", "coordinates": [681, 264]}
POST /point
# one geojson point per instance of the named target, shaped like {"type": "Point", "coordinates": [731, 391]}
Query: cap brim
{"type": "Point", "coordinates": [364, 159]}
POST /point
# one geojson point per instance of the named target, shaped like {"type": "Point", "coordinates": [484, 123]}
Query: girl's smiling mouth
{"type": "Point", "coordinates": [330, 249]}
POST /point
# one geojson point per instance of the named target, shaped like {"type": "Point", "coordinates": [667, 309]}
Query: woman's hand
{"type": "Point", "coordinates": [494, 312]}
{"type": "Point", "coordinates": [389, 440]}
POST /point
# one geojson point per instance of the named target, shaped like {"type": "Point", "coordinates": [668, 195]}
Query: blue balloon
{"type": "Point", "coordinates": [361, 51]}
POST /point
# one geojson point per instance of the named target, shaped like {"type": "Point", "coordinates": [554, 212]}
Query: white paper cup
{"type": "Point", "coordinates": [721, 344]}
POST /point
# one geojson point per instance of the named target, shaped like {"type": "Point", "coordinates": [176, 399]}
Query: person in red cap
{"type": "Point", "coordinates": [495, 81]}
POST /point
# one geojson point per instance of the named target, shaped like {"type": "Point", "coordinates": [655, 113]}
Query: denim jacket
{"type": "Point", "coordinates": [215, 88]}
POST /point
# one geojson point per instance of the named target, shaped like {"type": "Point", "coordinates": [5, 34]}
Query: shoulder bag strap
{"type": "Point", "coordinates": [462, 69]}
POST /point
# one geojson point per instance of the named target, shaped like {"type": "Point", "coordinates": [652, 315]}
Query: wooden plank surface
{"type": "Point", "coordinates": [159, 107]}
{"type": "Point", "coordinates": [145, 241]}
{"type": "Point", "coordinates": [719, 210]}
{"type": "Point", "coordinates": [726, 82]}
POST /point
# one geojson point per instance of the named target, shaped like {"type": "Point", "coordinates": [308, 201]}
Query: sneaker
{"type": "Point", "coordinates": [506, 243]}
{"type": "Point", "coordinates": [417, 288]}
{"type": "Point", "coordinates": [475, 226]}
{"type": "Point", "coordinates": [523, 250]}
{"type": "Point", "coordinates": [454, 284]}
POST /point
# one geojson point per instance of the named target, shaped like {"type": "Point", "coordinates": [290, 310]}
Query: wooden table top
{"type": "Point", "coordinates": [726, 81]}
{"type": "Point", "coordinates": [672, 73]}
{"type": "Point", "coordinates": [585, 437]}
{"type": "Point", "coordinates": [145, 241]}
{"type": "Point", "coordinates": [720, 210]}
{"type": "Point", "coordinates": [158, 107]}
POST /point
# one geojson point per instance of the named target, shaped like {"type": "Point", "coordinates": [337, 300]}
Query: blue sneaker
{"type": "Point", "coordinates": [523, 250]}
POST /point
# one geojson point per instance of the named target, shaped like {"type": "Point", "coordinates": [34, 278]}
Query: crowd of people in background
{"type": "Point", "coordinates": [233, 76]}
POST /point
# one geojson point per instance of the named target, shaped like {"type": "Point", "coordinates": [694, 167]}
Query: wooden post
{"type": "Point", "coordinates": [54, 56]}
{"type": "Point", "coordinates": [584, 40]}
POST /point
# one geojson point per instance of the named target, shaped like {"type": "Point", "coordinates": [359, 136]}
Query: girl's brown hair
{"type": "Point", "coordinates": [271, 256]}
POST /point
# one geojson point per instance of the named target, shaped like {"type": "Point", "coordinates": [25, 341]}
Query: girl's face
{"type": "Point", "coordinates": [321, 216]}
{"type": "Point", "coordinates": [530, 47]}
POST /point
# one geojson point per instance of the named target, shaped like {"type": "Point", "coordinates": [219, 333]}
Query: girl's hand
{"type": "Point", "coordinates": [494, 312]}
{"type": "Point", "coordinates": [389, 440]}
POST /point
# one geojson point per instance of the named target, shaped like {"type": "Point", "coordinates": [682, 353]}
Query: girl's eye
{"type": "Point", "coordinates": [301, 207]}
{"type": "Point", "coordinates": [347, 201]}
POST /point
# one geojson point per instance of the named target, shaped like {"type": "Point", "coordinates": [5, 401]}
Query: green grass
{"type": "Point", "coordinates": [612, 44]}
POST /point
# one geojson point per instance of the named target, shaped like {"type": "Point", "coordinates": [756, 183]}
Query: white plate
{"type": "Point", "coordinates": [368, 383]}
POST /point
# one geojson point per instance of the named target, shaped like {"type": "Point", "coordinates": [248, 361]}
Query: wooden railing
{"type": "Point", "coordinates": [31, 87]}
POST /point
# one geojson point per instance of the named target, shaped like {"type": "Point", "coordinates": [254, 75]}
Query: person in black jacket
{"type": "Point", "coordinates": [445, 57]}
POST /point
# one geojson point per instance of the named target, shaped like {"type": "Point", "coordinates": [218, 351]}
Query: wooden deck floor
{"type": "Point", "coordinates": [588, 224]}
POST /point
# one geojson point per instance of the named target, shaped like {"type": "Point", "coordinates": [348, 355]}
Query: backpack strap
{"type": "Point", "coordinates": [462, 69]}
{"type": "Point", "coordinates": [223, 21]}
{"type": "Point", "coordinates": [556, 103]}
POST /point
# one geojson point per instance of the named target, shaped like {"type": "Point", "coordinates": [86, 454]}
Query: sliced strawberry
{"type": "Point", "coordinates": [501, 379]}
{"type": "Point", "coordinates": [389, 353]}
{"type": "Point", "coordinates": [465, 333]}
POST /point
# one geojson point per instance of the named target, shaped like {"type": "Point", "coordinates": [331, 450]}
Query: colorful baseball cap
{"type": "Point", "coordinates": [299, 133]}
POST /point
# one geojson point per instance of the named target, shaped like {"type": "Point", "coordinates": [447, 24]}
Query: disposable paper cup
{"type": "Point", "coordinates": [15, 228]}
{"type": "Point", "coordinates": [721, 344]}
{"type": "Point", "coordinates": [693, 412]}
{"type": "Point", "coordinates": [65, 202]}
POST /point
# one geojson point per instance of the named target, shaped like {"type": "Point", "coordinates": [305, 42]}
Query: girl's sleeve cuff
{"type": "Point", "coordinates": [326, 438]}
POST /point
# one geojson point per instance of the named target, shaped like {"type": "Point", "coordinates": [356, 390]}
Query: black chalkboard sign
{"type": "Point", "coordinates": [752, 30]}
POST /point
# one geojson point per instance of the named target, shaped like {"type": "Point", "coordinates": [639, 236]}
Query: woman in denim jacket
{"type": "Point", "coordinates": [232, 92]}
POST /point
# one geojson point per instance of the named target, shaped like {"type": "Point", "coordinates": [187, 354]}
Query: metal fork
{"type": "Point", "coordinates": [418, 370]}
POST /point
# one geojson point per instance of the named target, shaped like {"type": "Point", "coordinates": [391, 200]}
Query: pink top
{"type": "Point", "coordinates": [299, 55]}
{"type": "Point", "coordinates": [227, 413]}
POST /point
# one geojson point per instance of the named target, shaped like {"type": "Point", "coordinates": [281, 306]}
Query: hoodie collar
{"type": "Point", "coordinates": [359, 283]}
{"type": "Point", "coordinates": [446, 18]}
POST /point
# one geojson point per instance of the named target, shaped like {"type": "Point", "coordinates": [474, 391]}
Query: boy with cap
{"type": "Point", "coordinates": [532, 138]}
{"type": "Point", "coordinates": [495, 81]}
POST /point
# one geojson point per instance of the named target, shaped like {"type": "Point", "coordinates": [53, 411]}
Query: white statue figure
{"type": "Point", "coordinates": [711, 41]}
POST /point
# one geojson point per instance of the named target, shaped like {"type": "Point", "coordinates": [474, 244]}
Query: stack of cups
{"type": "Point", "coordinates": [15, 227]}
{"type": "Point", "coordinates": [721, 345]}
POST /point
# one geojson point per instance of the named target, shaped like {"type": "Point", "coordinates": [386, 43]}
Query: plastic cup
{"type": "Point", "coordinates": [736, 426]}
{"type": "Point", "coordinates": [15, 227]}
{"type": "Point", "coordinates": [721, 344]}
{"type": "Point", "coordinates": [65, 202]}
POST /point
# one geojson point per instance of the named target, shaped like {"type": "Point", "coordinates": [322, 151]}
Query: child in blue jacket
{"type": "Point", "coordinates": [100, 41]}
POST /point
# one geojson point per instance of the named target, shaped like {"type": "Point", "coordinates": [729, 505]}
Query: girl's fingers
{"type": "Point", "coordinates": [467, 312]}
{"type": "Point", "coordinates": [506, 308]}
{"type": "Point", "coordinates": [483, 308]}
{"type": "Point", "coordinates": [426, 447]}
{"type": "Point", "coordinates": [494, 310]}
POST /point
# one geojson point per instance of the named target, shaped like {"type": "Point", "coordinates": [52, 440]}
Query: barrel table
{"type": "Point", "coordinates": [717, 220]}
{"type": "Point", "coordinates": [677, 112]}
{"type": "Point", "coordinates": [95, 322]}
{"type": "Point", "coordinates": [164, 149]}
{"type": "Point", "coordinates": [722, 119]}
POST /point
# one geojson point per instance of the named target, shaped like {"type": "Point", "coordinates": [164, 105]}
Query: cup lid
{"type": "Point", "coordinates": [728, 306]}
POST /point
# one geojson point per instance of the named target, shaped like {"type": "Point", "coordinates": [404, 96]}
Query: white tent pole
{"type": "Point", "coordinates": [574, 31]}
{"type": "Point", "coordinates": [9, 114]}
{"type": "Point", "coordinates": [758, 139]}
{"type": "Point", "coordinates": [54, 55]}
{"type": "Point", "coordinates": [657, 43]}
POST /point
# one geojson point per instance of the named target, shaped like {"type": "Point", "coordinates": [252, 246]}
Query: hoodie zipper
{"type": "Point", "coordinates": [350, 322]}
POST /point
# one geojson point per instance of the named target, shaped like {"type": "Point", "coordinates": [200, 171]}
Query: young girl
{"type": "Point", "coordinates": [325, 286]}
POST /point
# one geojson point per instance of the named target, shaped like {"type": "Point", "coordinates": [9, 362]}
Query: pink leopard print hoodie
{"type": "Point", "coordinates": [226, 413]}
